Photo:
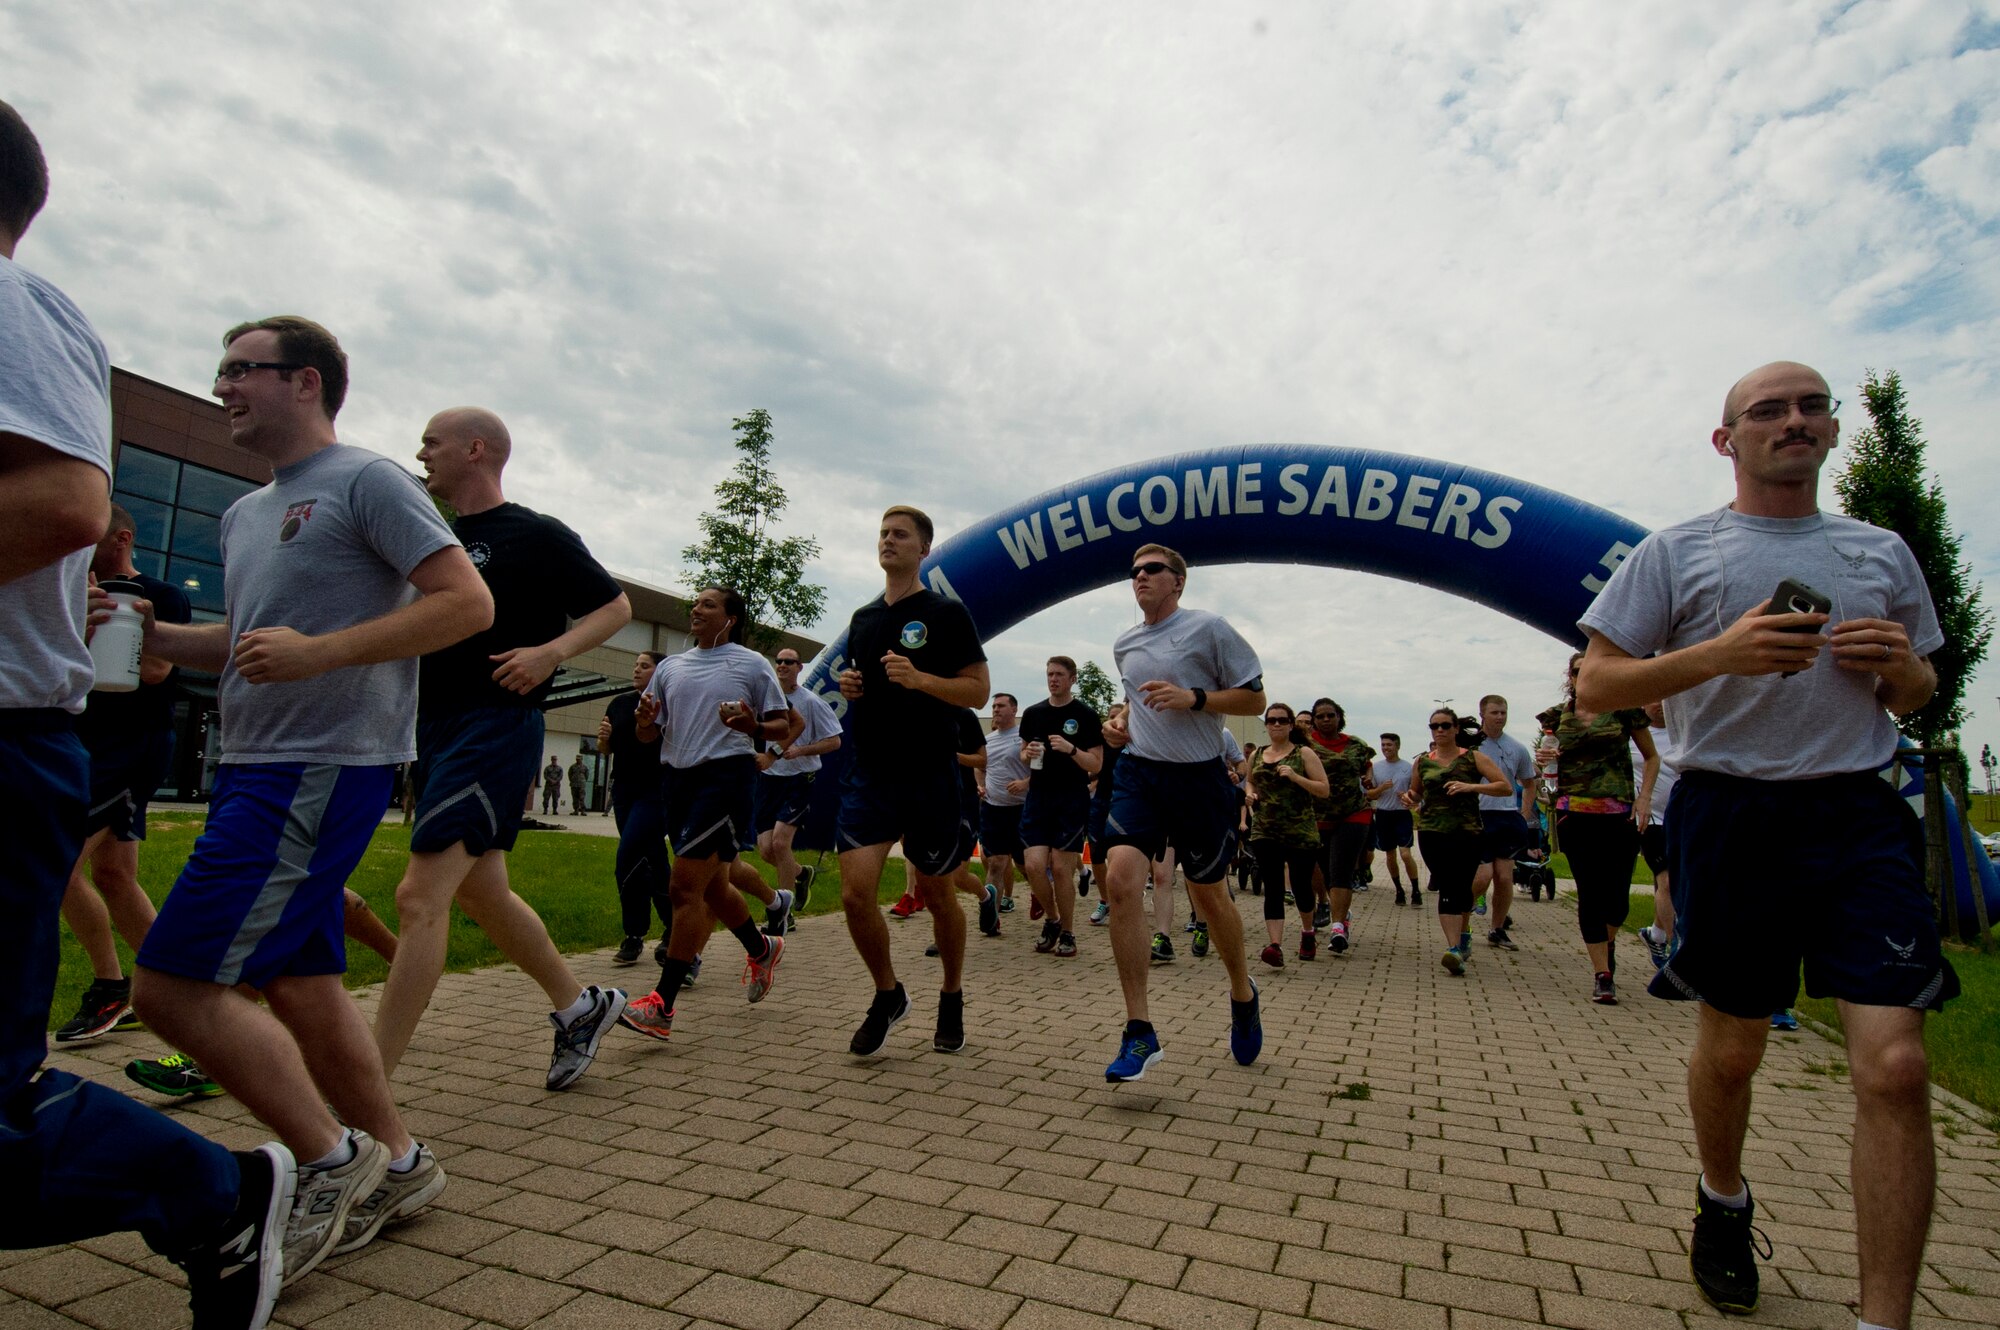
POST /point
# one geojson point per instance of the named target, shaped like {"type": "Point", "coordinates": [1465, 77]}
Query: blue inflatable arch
{"type": "Point", "coordinates": [1532, 553]}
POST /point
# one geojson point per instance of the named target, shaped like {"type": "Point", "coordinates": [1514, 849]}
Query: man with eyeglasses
{"type": "Point", "coordinates": [1789, 849]}
{"type": "Point", "coordinates": [785, 779]}
{"type": "Point", "coordinates": [1182, 671]}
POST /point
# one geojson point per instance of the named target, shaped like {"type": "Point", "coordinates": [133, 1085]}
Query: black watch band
{"type": "Point", "coordinates": [1200, 699]}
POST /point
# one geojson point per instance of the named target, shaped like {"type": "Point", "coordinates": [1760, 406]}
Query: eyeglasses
{"type": "Point", "coordinates": [1151, 569]}
{"type": "Point", "coordinates": [1444, 724]}
{"type": "Point", "coordinates": [1812, 406]}
{"type": "Point", "coordinates": [236, 369]}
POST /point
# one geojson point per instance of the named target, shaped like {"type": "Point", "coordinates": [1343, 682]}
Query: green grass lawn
{"type": "Point", "coordinates": [567, 877]}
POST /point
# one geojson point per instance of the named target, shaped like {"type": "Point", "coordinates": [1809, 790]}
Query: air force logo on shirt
{"type": "Point", "coordinates": [479, 552]}
{"type": "Point", "coordinates": [915, 634]}
{"type": "Point", "coordinates": [1069, 728]}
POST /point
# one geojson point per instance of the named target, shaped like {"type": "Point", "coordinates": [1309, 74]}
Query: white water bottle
{"type": "Point", "coordinates": [116, 644]}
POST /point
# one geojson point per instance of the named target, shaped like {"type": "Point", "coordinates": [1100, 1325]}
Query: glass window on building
{"type": "Point", "coordinates": [210, 492]}
{"type": "Point", "coordinates": [147, 475]}
{"type": "Point", "coordinates": [197, 536]}
{"type": "Point", "coordinates": [201, 580]}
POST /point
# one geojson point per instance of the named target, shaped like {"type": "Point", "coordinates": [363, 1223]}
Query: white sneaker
{"type": "Point", "coordinates": [397, 1196]}
{"type": "Point", "coordinates": [323, 1200]}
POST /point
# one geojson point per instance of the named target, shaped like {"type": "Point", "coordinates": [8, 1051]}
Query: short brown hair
{"type": "Point", "coordinates": [918, 516]}
{"type": "Point", "coordinates": [1065, 662]}
{"type": "Point", "coordinates": [304, 342]}
{"type": "Point", "coordinates": [1491, 698]}
{"type": "Point", "coordinates": [121, 520]}
{"type": "Point", "coordinates": [1171, 558]}
{"type": "Point", "coordinates": [24, 173]}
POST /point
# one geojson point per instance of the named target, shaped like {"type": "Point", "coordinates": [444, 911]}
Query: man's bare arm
{"type": "Point", "coordinates": [1757, 643]}
{"type": "Point", "coordinates": [968, 688]}
{"type": "Point", "coordinates": [50, 505]}
{"type": "Point", "coordinates": [523, 669]}
{"type": "Point", "coordinates": [453, 604]}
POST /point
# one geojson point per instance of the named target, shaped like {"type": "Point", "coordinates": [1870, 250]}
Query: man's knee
{"type": "Point", "coordinates": [1729, 1048]}
{"type": "Point", "coordinates": [1896, 1070]}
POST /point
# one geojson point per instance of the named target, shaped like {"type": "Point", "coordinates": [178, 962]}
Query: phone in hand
{"type": "Point", "coordinates": [1795, 597]}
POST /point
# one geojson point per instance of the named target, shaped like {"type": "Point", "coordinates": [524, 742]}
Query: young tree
{"type": "Point", "coordinates": [1095, 687]}
{"type": "Point", "coordinates": [738, 550]}
{"type": "Point", "coordinates": [1885, 483]}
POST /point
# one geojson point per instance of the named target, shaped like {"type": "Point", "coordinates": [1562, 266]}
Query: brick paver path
{"type": "Point", "coordinates": [1411, 1151]}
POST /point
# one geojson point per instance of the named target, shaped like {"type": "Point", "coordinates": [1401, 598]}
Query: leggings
{"type": "Point", "coordinates": [1602, 848]}
{"type": "Point", "coordinates": [1344, 842]}
{"type": "Point", "coordinates": [643, 862]}
{"type": "Point", "coordinates": [1274, 860]}
{"type": "Point", "coordinates": [1453, 859]}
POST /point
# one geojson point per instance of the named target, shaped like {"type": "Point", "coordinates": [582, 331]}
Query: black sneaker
{"type": "Point", "coordinates": [1498, 938]}
{"type": "Point", "coordinates": [175, 1074]}
{"type": "Point", "coordinates": [1723, 1254]}
{"type": "Point", "coordinates": [628, 951]}
{"type": "Point", "coordinates": [885, 1013]}
{"type": "Point", "coordinates": [1051, 932]}
{"type": "Point", "coordinates": [802, 890]}
{"type": "Point", "coordinates": [1400, 898]}
{"type": "Point", "coordinates": [101, 1010]}
{"type": "Point", "coordinates": [234, 1281]}
{"type": "Point", "coordinates": [950, 1036]}
{"type": "Point", "coordinates": [989, 911]}
{"type": "Point", "coordinates": [1163, 949]}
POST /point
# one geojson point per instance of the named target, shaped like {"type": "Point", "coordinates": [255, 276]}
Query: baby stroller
{"type": "Point", "coordinates": [1533, 873]}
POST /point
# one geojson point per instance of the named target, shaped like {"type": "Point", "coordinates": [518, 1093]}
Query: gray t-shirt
{"type": "Point", "coordinates": [691, 688]}
{"type": "Point", "coordinates": [1687, 583]}
{"type": "Point", "coordinates": [329, 543]}
{"type": "Point", "coordinates": [1397, 773]}
{"type": "Point", "coordinates": [1004, 764]}
{"type": "Point", "coordinates": [55, 388]}
{"type": "Point", "coordinates": [1516, 763]}
{"type": "Point", "coordinates": [1189, 649]}
{"type": "Point", "coordinates": [821, 723]}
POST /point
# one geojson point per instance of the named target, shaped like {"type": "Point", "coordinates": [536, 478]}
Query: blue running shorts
{"type": "Point", "coordinates": [1189, 805]}
{"type": "Point", "coordinates": [474, 771]}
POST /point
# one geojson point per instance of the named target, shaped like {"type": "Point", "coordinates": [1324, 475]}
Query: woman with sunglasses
{"type": "Point", "coordinates": [1599, 810]}
{"type": "Point", "coordinates": [1286, 783]}
{"type": "Point", "coordinates": [1445, 786]}
{"type": "Point", "coordinates": [1346, 814]}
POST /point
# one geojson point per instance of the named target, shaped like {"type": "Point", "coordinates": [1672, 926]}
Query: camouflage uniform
{"type": "Point", "coordinates": [1284, 811]}
{"type": "Point", "coordinates": [1441, 811]}
{"type": "Point", "coordinates": [1594, 765]}
{"type": "Point", "coordinates": [1347, 775]}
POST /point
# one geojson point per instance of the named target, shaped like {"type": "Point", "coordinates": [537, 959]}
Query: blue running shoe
{"type": "Point", "coordinates": [1660, 950]}
{"type": "Point", "coordinates": [1136, 1054]}
{"type": "Point", "coordinates": [1246, 1028]}
{"type": "Point", "coordinates": [1784, 1020]}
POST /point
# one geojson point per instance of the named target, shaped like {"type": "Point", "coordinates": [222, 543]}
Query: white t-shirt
{"type": "Point", "coordinates": [55, 388]}
{"type": "Point", "coordinates": [1397, 773]}
{"type": "Point", "coordinates": [821, 723]}
{"type": "Point", "coordinates": [1686, 584]}
{"type": "Point", "coordinates": [1189, 649]}
{"type": "Point", "coordinates": [1516, 763]}
{"type": "Point", "coordinates": [690, 689]}
{"type": "Point", "coordinates": [1663, 780]}
{"type": "Point", "coordinates": [1004, 764]}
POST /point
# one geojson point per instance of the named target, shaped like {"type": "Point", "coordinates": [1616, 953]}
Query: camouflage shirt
{"type": "Point", "coordinates": [1441, 811]}
{"type": "Point", "coordinates": [1284, 811]}
{"type": "Point", "coordinates": [1347, 775]}
{"type": "Point", "coordinates": [1595, 760]}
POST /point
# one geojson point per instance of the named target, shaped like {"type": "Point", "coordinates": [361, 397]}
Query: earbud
{"type": "Point", "coordinates": [1729, 450]}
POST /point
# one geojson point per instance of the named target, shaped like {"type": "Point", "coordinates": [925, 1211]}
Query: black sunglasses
{"type": "Point", "coordinates": [1277, 720]}
{"type": "Point", "coordinates": [1444, 724]}
{"type": "Point", "coordinates": [1152, 569]}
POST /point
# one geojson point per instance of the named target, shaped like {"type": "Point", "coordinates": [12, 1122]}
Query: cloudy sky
{"type": "Point", "coordinates": [965, 253]}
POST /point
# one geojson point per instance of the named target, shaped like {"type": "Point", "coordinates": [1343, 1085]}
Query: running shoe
{"type": "Point", "coordinates": [1452, 961]}
{"type": "Point", "coordinates": [1163, 949]}
{"type": "Point", "coordinates": [629, 950]}
{"type": "Point", "coordinates": [1066, 945]}
{"type": "Point", "coordinates": [1498, 938]}
{"type": "Point", "coordinates": [323, 1200]}
{"type": "Point", "coordinates": [397, 1196]}
{"type": "Point", "coordinates": [778, 915]}
{"type": "Point", "coordinates": [932, 951]}
{"type": "Point", "coordinates": [175, 1074]}
{"type": "Point", "coordinates": [1399, 895]}
{"type": "Point", "coordinates": [660, 951]}
{"type": "Point", "coordinates": [885, 1013]}
{"type": "Point", "coordinates": [1035, 910]}
{"type": "Point", "coordinates": [1136, 1055]}
{"type": "Point", "coordinates": [1194, 922]}
{"type": "Point", "coordinates": [1083, 876]}
{"type": "Point", "coordinates": [233, 1282]}
{"type": "Point", "coordinates": [1603, 991]}
{"type": "Point", "coordinates": [989, 911]}
{"type": "Point", "coordinates": [1416, 898]}
{"type": "Point", "coordinates": [1364, 879]}
{"type": "Point", "coordinates": [1336, 938]}
{"type": "Point", "coordinates": [1308, 946]}
{"type": "Point", "coordinates": [802, 889]}
{"type": "Point", "coordinates": [1323, 916]}
{"type": "Point", "coordinates": [1051, 934]}
{"type": "Point", "coordinates": [1659, 947]}
{"type": "Point", "coordinates": [1465, 944]}
{"type": "Point", "coordinates": [1784, 1020]}
{"type": "Point", "coordinates": [950, 1035]}
{"type": "Point", "coordinates": [129, 1021]}
{"type": "Point", "coordinates": [694, 972]}
{"type": "Point", "coordinates": [1273, 955]}
{"type": "Point", "coordinates": [1101, 913]}
{"type": "Point", "coordinates": [649, 1015]}
{"type": "Point", "coordinates": [1006, 905]}
{"type": "Point", "coordinates": [1723, 1254]}
{"type": "Point", "coordinates": [905, 907]}
{"type": "Point", "coordinates": [98, 1014]}
{"type": "Point", "coordinates": [1479, 906]}
{"type": "Point", "coordinates": [1246, 1029]}
{"type": "Point", "coordinates": [760, 974]}
{"type": "Point", "coordinates": [578, 1037]}
{"type": "Point", "coordinates": [1199, 946]}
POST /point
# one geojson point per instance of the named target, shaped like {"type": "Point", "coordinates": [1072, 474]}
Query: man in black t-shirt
{"type": "Point", "coordinates": [913, 658]}
{"type": "Point", "coordinates": [479, 741]}
{"type": "Point", "coordinates": [130, 737]}
{"type": "Point", "coordinates": [1063, 742]}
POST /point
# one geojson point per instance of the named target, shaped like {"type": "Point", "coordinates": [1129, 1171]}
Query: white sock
{"type": "Point", "coordinates": [1860, 1324]}
{"type": "Point", "coordinates": [1736, 1202]}
{"type": "Point", "coordinates": [343, 1153]}
{"type": "Point", "coordinates": [576, 1008]}
{"type": "Point", "coordinates": [406, 1162]}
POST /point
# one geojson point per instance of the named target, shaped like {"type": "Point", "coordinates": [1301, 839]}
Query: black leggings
{"type": "Point", "coordinates": [1453, 859]}
{"type": "Point", "coordinates": [1343, 843]}
{"type": "Point", "coordinates": [1601, 848]}
{"type": "Point", "coordinates": [1274, 860]}
{"type": "Point", "coordinates": [643, 863]}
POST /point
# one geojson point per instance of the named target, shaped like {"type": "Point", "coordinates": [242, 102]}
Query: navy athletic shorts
{"type": "Point", "coordinates": [1503, 833]}
{"type": "Point", "coordinates": [122, 780]}
{"type": "Point", "coordinates": [1653, 845]}
{"type": "Point", "coordinates": [782, 799]}
{"type": "Point", "coordinates": [1395, 829]}
{"type": "Point", "coordinates": [261, 895]}
{"type": "Point", "coordinates": [1770, 877]}
{"type": "Point", "coordinates": [709, 806]}
{"type": "Point", "coordinates": [1059, 822]}
{"type": "Point", "coordinates": [474, 770]}
{"type": "Point", "coordinates": [922, 809]}
{"type": "Point", "coordinates": [1189, 805]}
{"type": "Point", "coordinates": [1000, 830]}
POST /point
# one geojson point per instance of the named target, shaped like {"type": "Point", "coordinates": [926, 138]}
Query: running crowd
{"type": "Point", "coordinates": [364, 630]}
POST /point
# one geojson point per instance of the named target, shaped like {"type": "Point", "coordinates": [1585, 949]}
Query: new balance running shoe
{"type": "Point", "coordinates": [233, 1280]}
{"type": "Point", "coordinates": [325, 1196]}
{"type": "Point", "coordinates": [397, 1196]}
{"type": "Point", "coordinates": [1136, 1055]}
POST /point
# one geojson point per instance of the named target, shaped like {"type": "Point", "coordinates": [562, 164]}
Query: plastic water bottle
{"type": "Point", "coordinates": [1545, 762]}
{"type": "Point", "coordinates": [116, 644]}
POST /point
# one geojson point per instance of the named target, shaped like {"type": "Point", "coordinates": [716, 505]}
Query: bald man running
{"type": "Point", "coordinates": [479, 741]}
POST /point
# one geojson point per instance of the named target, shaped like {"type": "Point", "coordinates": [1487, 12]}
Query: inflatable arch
{"type": "Point", "coordinates": [1532, 553]}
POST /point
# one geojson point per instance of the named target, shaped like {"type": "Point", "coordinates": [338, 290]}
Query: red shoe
{"type": "Point", "coordinates": [1273, 956]}
{"type": "Point", "coordinates": [905, 907]}
{"type": "Point", "coordinates": [1034, 909]}
{"type": "Point", "coordinates": [648, 1015]}
{"type": "Point", "coordinates": [1308, 946]}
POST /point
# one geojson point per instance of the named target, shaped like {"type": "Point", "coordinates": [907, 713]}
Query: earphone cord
{"type": "Point", "coordinates": [1722, 568]}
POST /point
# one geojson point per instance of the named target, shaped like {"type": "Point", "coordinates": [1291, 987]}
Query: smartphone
{"type": "Point", "coordinates": [1795, 597]}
